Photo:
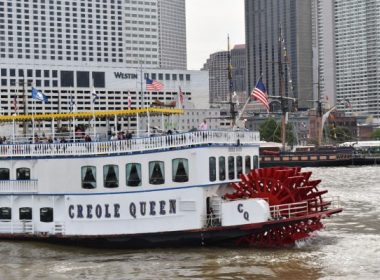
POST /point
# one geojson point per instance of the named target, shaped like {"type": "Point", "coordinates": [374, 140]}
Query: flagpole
{"type": "Point", "coordinates": [34, 112]}
{"type": "Point", "coordinates": [14, 131]}
{"type": "Point", "coordinates": [52, 128]}
{"type": "Point", "coordinates": [25, 105]}
{"type": "Point", "coordinates": [138, 124]}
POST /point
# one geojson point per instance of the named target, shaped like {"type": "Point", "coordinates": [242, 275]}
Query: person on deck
{"type": "Point", "coordinates": [203, 126]}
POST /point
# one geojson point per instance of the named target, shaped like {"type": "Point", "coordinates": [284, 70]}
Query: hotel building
{"type": "Point", "coordinates": [67, 48]}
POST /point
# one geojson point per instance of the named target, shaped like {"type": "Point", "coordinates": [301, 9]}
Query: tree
{"type": "Point", "coordinates": [340, 134]}
{"type": "Point", "coordinates": [376, 134]}
{"type": "Point", "coordinates": [270, 131]}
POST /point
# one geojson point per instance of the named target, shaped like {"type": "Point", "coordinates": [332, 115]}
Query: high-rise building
{"type": "Point", "coordinates": [265, 21]}
{"type": "Point", "coordinates": [357, 55]}
{"type": "Point", "coordinates": [239, 68]}
{"type": "Point", "coordinates": [347, 39]}
{"type": "Point", "coordinates": [324, 52]}
{"type": "Point", "coordinates": [151, 33]}
{"type": "Point", "coordinates": [172, 27]}
{"type": "Point", "coordinates": [217, 65]}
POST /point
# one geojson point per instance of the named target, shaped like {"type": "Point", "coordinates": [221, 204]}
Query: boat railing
{"type": "Point", "coordinates": [131, 145]}
{"type": "Point", "coordinates": [332, 202]}
{"type": "Point", "coordinates": [18, 186]}
{"type": "Point", "coordinates": [289, 210]}
{"type": "Point", "coordinates": [19, 227]}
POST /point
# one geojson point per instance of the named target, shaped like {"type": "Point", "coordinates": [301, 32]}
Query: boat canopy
{"type": "Point", "coordinates": [90, 114]}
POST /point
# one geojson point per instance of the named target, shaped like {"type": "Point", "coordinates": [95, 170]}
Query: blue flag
{"type": "Point", "coordinates": [36, 94]}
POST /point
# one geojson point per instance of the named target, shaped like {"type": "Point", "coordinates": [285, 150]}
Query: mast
{"type": "Point", "coordinates": [230, 85]}
{"type": "Point", "coordinates": [281, 89]}
{"type": "Point", "coordinates": [319, 111]}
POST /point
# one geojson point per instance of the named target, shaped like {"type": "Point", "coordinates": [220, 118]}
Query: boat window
{"type": "Point", "coordinates": [46, 215]}
{"type": "Point", "coordinates": [5, 213]}
{"type": "Point", "coordinates": [231, 168]}
{"type": "Point", "coordinates": [25, 213]}
{"type": "Point", "coordinates": [239, 166]}
{"type": "Point", "coordinates": [4, 173]}
{"type": "Point", "coordinates": [222, 168]}
{"type": "Point", "coordinates": [88, 177]}
{"type": "Point", "coordinates": [156, 172]}
{"type": "Point", "coordinates": [133, 171]}
{"type": "Point", "coordinates": [23, 174]}
{"type": "Point", "coordinates": [111, 176]}
{"type": "Point", "coordinates": [212, 168]}
{"type": "Point", "coordinates": [247, 164]}
{"type": "Point", "coordinates": [180, 170]}
{"type": "Point", "coordinates": [255, 162]}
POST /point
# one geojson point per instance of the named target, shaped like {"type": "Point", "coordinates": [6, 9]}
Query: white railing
{"type": "Point", "coordinates": [132, 145]}
{"type": "Point", "coordinates": [18, 186]}
{"type": "Point", "coordinates": [333, 202]}
{"type": "Point", "coordinates": [22, 227]}
{"type": "Point", "coordinates": [289, 210]}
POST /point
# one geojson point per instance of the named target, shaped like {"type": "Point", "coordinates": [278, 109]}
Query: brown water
{"type": "Point", "coordinates": [349, 248]}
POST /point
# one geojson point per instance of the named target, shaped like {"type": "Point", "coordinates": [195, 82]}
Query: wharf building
{"type": "Point", "coordinates": [68, 49]}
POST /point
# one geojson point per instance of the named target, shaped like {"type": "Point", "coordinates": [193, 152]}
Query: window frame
{"type": "Point", "coordinates": [83, 175]}
{"type": "Point", "coordinates": [18, 175]}
{"type": "Point", "coordinates": [9, 209]}
{"type": "Point", "coordinates": [51, 215]}
{"type": "Point", "coordinates": [231, 167]}
{"type": "Point", "coordinates": [162, 167]}
{"type": "Point", "coordinates": [9, 174]}
{"type": "Point", "coordinates": [105, 183]}
{"type": "Point", "coordinates": [30, 209]}
{"type": "Point", "coordinates": [179, 178]}
{"type": "Point", "coordinates": [128, 174]}
{"type": "Point", "coordinates": [222, 171]}
{"type": "Point", "coordinates": [247, 164]}
{"type": "Point", "coordinates": [212, 169]}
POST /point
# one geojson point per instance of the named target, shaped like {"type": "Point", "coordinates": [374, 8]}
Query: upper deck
{"type": "Point", "coordinates": [134, 145]}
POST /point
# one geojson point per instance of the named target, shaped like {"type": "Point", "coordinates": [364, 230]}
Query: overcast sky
{"type": "Point", "coordinates": [208, 23]}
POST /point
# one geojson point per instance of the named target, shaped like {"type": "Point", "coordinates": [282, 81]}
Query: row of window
{"type": "Point", "coordinates": [234, 167]}
{"type": "Point", "coordinates": [21, 173]}
{"type": "Point", "coordinates": [26, 214]}
{"type": "Point", "coordinates": [133, 171]}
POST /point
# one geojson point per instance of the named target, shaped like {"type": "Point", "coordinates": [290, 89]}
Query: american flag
{"type": "Point", "coordinates": [153, 85]}
{"type": "Point", "coordinates": [260, 93]}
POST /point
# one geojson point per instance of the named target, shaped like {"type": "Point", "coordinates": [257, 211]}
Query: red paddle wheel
{"type": "Point", "coordinates": [296, 204]}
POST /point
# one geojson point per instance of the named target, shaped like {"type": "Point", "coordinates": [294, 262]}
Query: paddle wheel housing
{"type": "Point", "coordinates": [296, 204]}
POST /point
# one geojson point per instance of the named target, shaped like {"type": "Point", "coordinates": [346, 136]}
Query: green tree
{"type": "Point", "coordinates": [340, 134]}
{"type": "Point", "coordinates": [270, 131]}
{"type": "Point", "coordinates": [376, 134]}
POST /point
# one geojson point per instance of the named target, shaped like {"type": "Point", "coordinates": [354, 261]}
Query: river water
{"type": "Point", "coordinates": [349, 248]}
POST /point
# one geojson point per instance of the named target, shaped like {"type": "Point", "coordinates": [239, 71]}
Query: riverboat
{"type": "Point", "coordinates": [190, 189]}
